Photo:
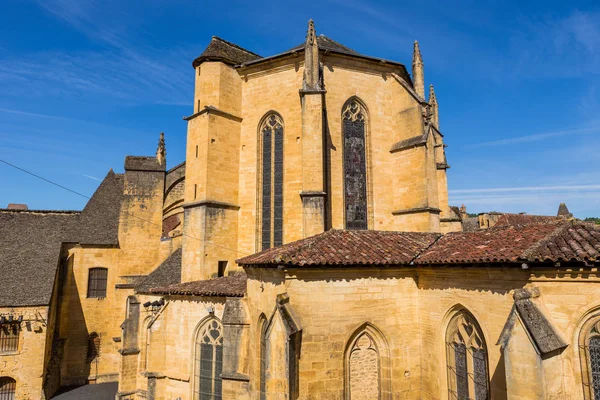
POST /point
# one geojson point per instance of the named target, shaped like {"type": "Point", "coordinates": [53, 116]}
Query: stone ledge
{"type": "Point", "coordinates": [409, 143]}
{"type": "Point", "coordinates": [442, 166]}
{"type": "Point", "coordinates": [214, 111]}
{"type": "Point", "coordinates": [304, 92]}
{"type": "Point", "coordinates": [212, 204]}
{"type": "Point", "coordinates": [417, 210]}
{"type": "Point", "coordinates": [235, 376]}
{"type": "Point", "coordinates": [127, 352]}
{"type": "Point", "coordinates": [450, 219]}
{"type": "Point", "coordinates": [312, 194]}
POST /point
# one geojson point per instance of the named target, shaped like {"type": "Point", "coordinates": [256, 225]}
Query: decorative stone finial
{"type": "Point", "coordinates": [161, 151]}
{"type": "Point", "coordinates": [417, 71]}
{"type": "Point", "coordinates": [311, 60]}
{"type": "Point", "coordinates": [434, 107]}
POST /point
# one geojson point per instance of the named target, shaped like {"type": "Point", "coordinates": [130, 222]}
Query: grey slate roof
{"type": "Point", "coordinates": [143, 163]}
{"type": "Point", "coordinates": [224, 51]}
{"type": "Point", "coordinates": [29, 254]}
{"type": "Point", "coordinates": [166, 274]}
{"type": "Point", "coordinates": [100, 218]}
{"type": "Point", "coordinates": [30, 242]}
{"type": "Point", "coordinates": [325, 43]}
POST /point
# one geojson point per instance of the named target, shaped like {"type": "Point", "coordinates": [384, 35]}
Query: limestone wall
{"type": "Point", "coordinates": [28, 364]}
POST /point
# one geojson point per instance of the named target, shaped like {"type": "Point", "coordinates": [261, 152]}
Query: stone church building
{"type": "Point", "coordinates": [305, 249]}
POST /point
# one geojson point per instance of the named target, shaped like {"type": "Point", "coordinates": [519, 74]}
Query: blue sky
{"type": "Point", "coordinates": [85, 82]}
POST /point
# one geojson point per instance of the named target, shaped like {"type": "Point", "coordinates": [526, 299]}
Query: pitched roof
{"type": "Point", "coordinates": [29, 254]}
{"type": "Point", "coordinates": [566, 241]}
{"type": "Point", "coordinates": [31, 241]}
{"type": "Point", "coordinates": [524, 219]}
{"type": "Point", "coordinates": [167, 273]}
{"type": "Point", "coordinates": [344, 248]}
{"type": "Point", "coordinates": [572, 241]}
{"type": "Point", "coordinates": [225, 286]}
{"type": "Point", "coordinates": [227, 52]}
{"type": "Point", "coordinates": [328, 44]}
{"type": "Point", "coordinates": [99, 222]}
{"type": "Point", "coordinates": [541, 330]}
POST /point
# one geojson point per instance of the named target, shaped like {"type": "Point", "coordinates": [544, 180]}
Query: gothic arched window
{"type": "Point", "coordinates": [263, 358]}
{"type": "Point", "coordinates": [367, 365]}
{"type": "Point", "coordinates": [271, 210]}
{"type": "Point", "coordinates": [208, 361]}
{"type": "Point", "coordinates": [355, 165]}
{"type": "Point", "coordinates": [8, 386]}
{"type": "Point", "coordinates": [589, 345]}
{"type": "Point", "coordinates": [466, 359]}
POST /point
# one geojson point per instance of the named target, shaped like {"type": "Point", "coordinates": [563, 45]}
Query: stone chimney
{"type": "Point", "coordinates": [563, 211]}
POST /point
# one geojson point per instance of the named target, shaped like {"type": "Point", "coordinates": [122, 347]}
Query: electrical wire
{"type": "Point", "coordinates": [131, 214]}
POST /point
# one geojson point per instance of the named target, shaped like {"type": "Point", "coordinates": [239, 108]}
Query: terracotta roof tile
{"type": "Point", "coordinates": [226, 286]}
{"type": "Point", "coordinates": [341, 247]}
{"type": "Point", "coordinates": [525, 219]}
{"type": "Point", "coordinates": [559, 241]}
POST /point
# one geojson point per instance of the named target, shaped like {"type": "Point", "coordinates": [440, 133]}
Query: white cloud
{"type": "Point", "coordinates": [528, 189]}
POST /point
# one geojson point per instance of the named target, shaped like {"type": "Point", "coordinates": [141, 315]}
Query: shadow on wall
{"type": "Point", "coordinates": [79, 363]}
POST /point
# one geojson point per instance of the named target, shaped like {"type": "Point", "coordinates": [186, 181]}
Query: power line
{"type": "Point", "coordinates": [131, 214]}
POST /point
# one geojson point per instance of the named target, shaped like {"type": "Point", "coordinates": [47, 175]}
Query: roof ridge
{"type": "Point", "coordinates": [32, 211]}
{"type": "Point", "coordinates": [236, 46]}
{"type": "Point", "coordinates": [546, 239]}
{"type": "Point", "coordinates": [441, 235]}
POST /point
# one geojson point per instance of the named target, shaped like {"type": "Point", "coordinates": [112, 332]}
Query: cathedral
{"type": "Point", "coordinates": [305, 249]}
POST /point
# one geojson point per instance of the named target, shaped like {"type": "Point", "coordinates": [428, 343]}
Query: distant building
{"type": "Point", "coordinates": [304, 249]}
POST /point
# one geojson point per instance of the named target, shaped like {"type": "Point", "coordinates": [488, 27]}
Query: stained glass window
{"type": "Point", "coordinates": [466, 359]}
{"type": "Point", "coordinates": [355, 166]}
{"type": "Point", "coordinates": [272, 182]}
{"type": "Point", "coordinates": [208, 362]}
{"type": "Point", "coordinates": [8, 387]}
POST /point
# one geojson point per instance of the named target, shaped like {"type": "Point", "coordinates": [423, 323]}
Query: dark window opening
{"type": "Point", "coordinates": [97, 282]}
{"type": "Point", "coordinates": [222, 268]}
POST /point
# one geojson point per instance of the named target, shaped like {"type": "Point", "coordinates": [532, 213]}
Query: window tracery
{"type": "Point", "coordinates": [590, 349]}
{"type": "Point", "coordinates": [355, 165]}
{"type": "Point", "coordinates": [466, 359]}
{"type": "Point", "coordinates": [208, 361]}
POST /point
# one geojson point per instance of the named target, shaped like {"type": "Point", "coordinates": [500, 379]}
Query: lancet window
{"type": "Point", "coordinates": [466, 359]}
{"type": "Point", "coordinates": [355, 165]}
{"type": "Point", "coordinates": [208, 361]}
{"type": "Point", "coordinates": [271, 224]}
{"type": "Point", "coordinates": [590, 347]}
